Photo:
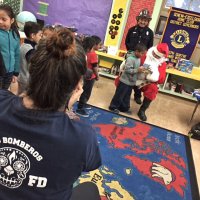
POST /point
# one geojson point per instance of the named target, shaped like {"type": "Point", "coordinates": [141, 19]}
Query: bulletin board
{"type": "Point", "coordinates": [15, 4]}
{"type": "Point", "coordinates": [89, 17]}
{"type": "Point", "coordinates": [116, 21]}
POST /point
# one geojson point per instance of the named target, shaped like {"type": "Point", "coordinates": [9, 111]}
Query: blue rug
{"type": "Point", "coordinates": [141, 161]}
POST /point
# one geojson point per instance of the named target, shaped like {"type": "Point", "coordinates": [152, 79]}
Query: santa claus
{"type": "Point", "coordinates": [154, 73]}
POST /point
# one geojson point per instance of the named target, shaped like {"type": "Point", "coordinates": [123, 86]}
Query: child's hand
{"type": "Point", "coordinates": [97, 78]}
{"type": "Point", "coordinates": [14, 79]}
{"type": "Point", "coordinates": [141, 69]}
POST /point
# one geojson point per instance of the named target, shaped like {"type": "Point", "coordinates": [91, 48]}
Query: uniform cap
{"type": "Point", "coordinates": [144, 14]}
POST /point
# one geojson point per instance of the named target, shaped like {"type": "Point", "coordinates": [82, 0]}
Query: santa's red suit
{"type": "Point", "coordinates": [150, 91]}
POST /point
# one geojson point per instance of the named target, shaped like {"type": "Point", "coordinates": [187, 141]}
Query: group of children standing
{"type": "Point", "coordinates": [14, 63]}
{"type": "Point", "coordinates": [9, 47]}
{"type": "Point", "coordinates": [14, 59]}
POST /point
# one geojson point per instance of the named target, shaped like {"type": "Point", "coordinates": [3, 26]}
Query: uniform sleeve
{"type": "Point", "coordinates": [93, 157]}
{"type": "Point", "coordinates": [17, 58]}
{"type": "Point", "coordinates": [150, 43]}
{"type": "Point", "coordinates": [127, 40]}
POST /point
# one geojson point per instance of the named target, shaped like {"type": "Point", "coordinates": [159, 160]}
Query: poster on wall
{"type": "Point", "coordinates": [181, 33]}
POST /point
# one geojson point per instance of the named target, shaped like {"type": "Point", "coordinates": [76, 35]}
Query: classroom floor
{"type": "Point", "coordinates": [166, 111]}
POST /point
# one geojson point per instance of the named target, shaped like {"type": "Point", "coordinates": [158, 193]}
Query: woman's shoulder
{"type": "Point", "coordinates": [5, 94]}
{"type": "Point", "coordinates": [83, 129]}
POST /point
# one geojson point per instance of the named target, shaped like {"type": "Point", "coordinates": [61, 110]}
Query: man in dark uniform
{"type": "Point", "coordinates": [140, 33]}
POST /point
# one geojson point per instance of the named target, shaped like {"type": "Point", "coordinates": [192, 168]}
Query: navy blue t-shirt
{"type": "Point", "coordinates": [42, 153]}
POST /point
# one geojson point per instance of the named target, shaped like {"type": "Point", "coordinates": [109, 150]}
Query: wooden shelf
{"type": "Point", "coordinates": [110, 56]}
{"type": "Point", "coordinates": [195, 75]}
{"type": "Point", "coordinates": [177, 94]}
{"type": "Point", "coordinates": [107, 75]}
{"type": "Point", "coordinates": [107, 61]}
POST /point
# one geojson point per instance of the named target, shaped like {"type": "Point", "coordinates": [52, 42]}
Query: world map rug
{"type": "Point", "coordinates": [140, 161]}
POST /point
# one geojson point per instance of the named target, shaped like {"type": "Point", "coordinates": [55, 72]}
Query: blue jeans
{"type": "Point", "coordinates": [121, 98]}
{"type": "Point", "coordinates": [87, 90]}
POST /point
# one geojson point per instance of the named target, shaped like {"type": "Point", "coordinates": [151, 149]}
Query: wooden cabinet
{"type": "Point", "coordinates": [107, 61]}
{"type": "Point", "coordinates": [192, 80]}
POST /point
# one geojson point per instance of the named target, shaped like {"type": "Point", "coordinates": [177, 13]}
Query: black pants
{"type": "Point", "coordinates": [85, 191]}
{"type": "Point", "coordinates": [121, 98]}
{"type": "Point", "coordinates": [137, 92]}
{"type": "Point", "coordinates": [6, 80]}
{"type": "Point", "coordinates": [87, 90]}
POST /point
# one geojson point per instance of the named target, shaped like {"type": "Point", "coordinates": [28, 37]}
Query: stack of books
{"type": "Point", "coordinates": [185, 66]}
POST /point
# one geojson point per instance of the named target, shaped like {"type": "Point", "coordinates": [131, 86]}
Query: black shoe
{"type": "Point", "coordinates": [115, 110]}
{"type": "Point", "coordinates": [87, 107]}
{"type": "Point", "coordinates": [138, 100]}
{"type": "Point", "coordinates": [142, 116]}
{"type": "Point", "coordinates": [81, 112]}
{"type": "Point", "coordinates": [129, 112]}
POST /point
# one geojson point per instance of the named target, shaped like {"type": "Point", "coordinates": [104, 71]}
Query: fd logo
{"type": "Point", "coordinates": [179, 39]}
{"type": "Point", "coordinates": [14, 165]}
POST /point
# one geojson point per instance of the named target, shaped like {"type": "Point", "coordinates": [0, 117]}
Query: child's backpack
{"type": "Point", "coordinates": [195, 132]}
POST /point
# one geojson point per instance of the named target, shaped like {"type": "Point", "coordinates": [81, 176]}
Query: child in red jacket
{"type": "Point", "coordinates": [90, 45]}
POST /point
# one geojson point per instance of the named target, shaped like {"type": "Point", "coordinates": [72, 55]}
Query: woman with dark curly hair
{"type": "Point", "coordinates": [42, 151]}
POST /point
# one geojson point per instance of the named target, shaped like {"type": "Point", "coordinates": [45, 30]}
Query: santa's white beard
{"type": "Point", "coordinates": [152, 60]}
{"type": "Point", "coordinates": [153, 64]}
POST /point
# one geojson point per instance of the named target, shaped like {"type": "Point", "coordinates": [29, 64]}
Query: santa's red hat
{"type": "Point", "coordinates": [161, 50]}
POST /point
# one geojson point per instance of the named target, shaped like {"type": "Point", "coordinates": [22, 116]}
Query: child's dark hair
{"type": "Point", "coordinates": [97, 39]}
{"type": "Point", "coordinates": [58, 27]}
{"type": "Point", "coordinates": [56, 67]}
{"type": "Point", "coordinates": [31, 28]}
{"type": "Point", "coordinates": [88, 44]}
{"type": "Point", "coordinates": [11, 14]}
{"type": "Point", "coordinates": [48, 27]}
{"type": "Point", "coordinates": [140, 47]}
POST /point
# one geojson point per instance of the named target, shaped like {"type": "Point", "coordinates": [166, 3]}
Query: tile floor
{"type": "Point", "coordinates": [166, 111]}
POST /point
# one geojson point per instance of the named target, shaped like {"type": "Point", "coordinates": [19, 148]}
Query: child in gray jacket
{"type": "Point", "coordinates": [33, 32]}
{"type": "Point", "coordinates": [121, 99]}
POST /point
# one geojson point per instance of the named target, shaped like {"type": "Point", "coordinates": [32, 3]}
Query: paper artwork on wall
{"type": "Point", "coordinates": [15, 4]}
{"type": "Point", "coordinates": [43, 8]}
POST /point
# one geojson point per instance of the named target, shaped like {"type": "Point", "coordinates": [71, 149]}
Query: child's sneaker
{"type": "Point", "coordinates": [129, 112]}
{"type": "Point", "coordinates": [82, 112]}
{"type": "Point", "coordinates": [87, 107]}
{"type": "Point", "coordinates": [115, 110]}
{"type": "Point", "coordinates": [138, 100]}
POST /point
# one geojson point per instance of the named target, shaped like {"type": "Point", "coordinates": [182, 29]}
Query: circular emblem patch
{"type": "Point", "coordinates": [179, 39]}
